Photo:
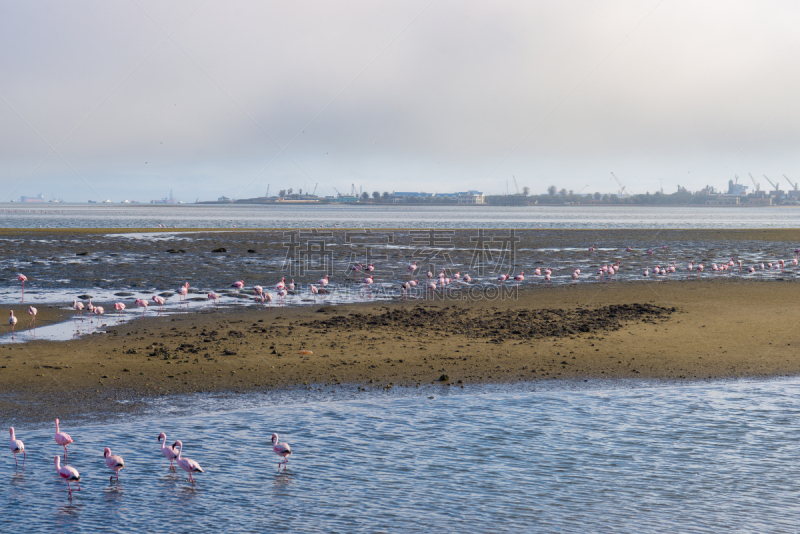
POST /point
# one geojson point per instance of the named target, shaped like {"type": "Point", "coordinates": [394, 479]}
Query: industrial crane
{"type": "Point", "coordinates": [756, 184]}
{"type": "Point", "coordinates": [515, 183]}
{"type": "Point", "coordinates": [770, 182]}
{"type": "Point", "coordinates": [315, 188]}
{"type": "Point", "coordinates": [794, 185]}
{"type": "Point", "coordinates": [337, 191]}
{"type": "Point", "coordinates": [622, 190]}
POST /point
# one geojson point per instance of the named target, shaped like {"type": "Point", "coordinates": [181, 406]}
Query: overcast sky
{"type": "Point", "coordinates": [129, 99]}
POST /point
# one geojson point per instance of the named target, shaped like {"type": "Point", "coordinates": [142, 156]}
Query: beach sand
{"type": "Point", "coordinates": [676, 330]}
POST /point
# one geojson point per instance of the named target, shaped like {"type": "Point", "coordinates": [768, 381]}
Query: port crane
{"type": "Point", "coordinates": [515, 183]}
{"type": "Point", "coordinates": [794, 185]}
{"type": "Point", "coordinates": [337, 191]}
{"type": "Point", "coordinates": [622, 190]}
{"type": "Point", "coordinates": [755, 184]}
{"type": "Point", "coordinates": [770, 182]}
{"type": "Point", "coordinates": [316, 184]}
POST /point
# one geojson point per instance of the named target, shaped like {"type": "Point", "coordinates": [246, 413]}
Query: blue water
{"type": "Point", "coordinates": [708, 457]}
{"type": "Point", "coordinates": [391, 216]}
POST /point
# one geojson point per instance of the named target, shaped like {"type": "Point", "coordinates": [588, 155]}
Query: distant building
{"type": "Point", "coordinates": [462, 197]}
{"type": "Point", "coordinates": [39, 198]}
{"type": "Point", "coordinates": [723, 200]}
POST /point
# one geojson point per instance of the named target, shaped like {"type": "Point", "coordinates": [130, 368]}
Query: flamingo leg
{"type": "Point", "coordinates": [15, 459]}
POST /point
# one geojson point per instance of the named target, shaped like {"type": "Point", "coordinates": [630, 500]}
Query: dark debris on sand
{"type": "Point", "coordinates": [516, 324]}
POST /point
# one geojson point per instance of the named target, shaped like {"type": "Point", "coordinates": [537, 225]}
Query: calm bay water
{"type": "Point", "coordinates": [702, 458]}
{"type": "Point", "coordinates": [391, 216]}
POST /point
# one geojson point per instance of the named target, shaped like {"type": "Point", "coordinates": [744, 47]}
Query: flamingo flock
{"type": "Point", "coordinates": [115, 462]}
{"type": "Point", "coordinates": [606, 272]}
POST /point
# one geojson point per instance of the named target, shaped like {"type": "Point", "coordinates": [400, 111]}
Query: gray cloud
{"type": "Point", "coordinates": [392, 95]}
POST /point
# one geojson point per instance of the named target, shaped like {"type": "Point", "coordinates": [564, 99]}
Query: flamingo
{"type": "Point", "coordinates": [575, 275]}
{"type": "Point", "coordinates": [314, 292]}
{"type": "Point", "coordinates": [89, 308]}
{"type": "Point", "coordinates": [367, 282]}
{"type": "Point", "coordinates": [78, 307]}
{"type": "Point", "coordinates": [547, 276]}
{"type": "Point", "coordinates": [281, 449]}
{"type": "Point", "coordinates": [167, 450]}
{"type": "Point", "coordinates": [324, 281]}
{"type": "Point", "coordinates": [405, 288]}
{"type": "Point", "coordinates": [290, 286]}
{"type": "Point", "coordinates": [502, 278]}
{"type": "Point", "coordinates": [259, 291]}
{"type": "Point", "coordinates": [63, 439]}
{"type": "Point", "coordinates": [113, 462]}
{"type": "Point", "coordinates": [280, 285]}
{"type": "Point", "coordinates": [99, 311]}
{"type": "Point", "coordinates": [646, 273]}
{"type": "Point", "coordinates": [142, 303]}
{"type": "Point", "coordinates": [160, 301]}
{"type": "Point", "coordinates": [457, 275]}
{"type": "Point", "coordinates": [432, 287]}
{"type": "Point", "coordinates": [520, 277]}
{"type": "Point", "coordinates": [268, 300]}
{"type": "Point", "coordinates": [12, 320]}
{"type": "Point", "coordinates": [467, 278]}
{"type": "Point", "coordinates": [282, 295]}
{"type": "Point", "coordinates": [120, 307]}
{"type": "Point", "coordinates": [22, 278]}
{"type": "Point", "coordinates": [70, 474]}
{"type": "Point", "coordinates": [699, 269]}
{"type": "Point", "coordinates": [591, 248]}
{"type": "Point", "coordinates": [411, 269]}
{"type": "Point", "coordinates": [16, 446]}
{"type": "Point", "coordinates": [183, 291]}
{"type": "Point", "coordinates": [213, 297]}
{"type": "Point", "coordinates": [356, 268]}
{"type": "Point", "coordinates": [32, 312]}
{"type": "Point", "coordinates": [629, 249]}
{"type": "Point", "coordinates": [190, 466]}
{"type": "Point", "coordinates": [238, 285]}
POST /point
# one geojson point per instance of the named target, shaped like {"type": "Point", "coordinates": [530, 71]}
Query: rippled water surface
{"type": "Point", "coordinates": [702, 458]}
{"type": "Point", "coordinates": [392, 216]}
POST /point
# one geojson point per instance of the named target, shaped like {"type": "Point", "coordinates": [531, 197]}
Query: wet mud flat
{"type": "Point", "coordinates": [680, 331]}
{"type": "Point", "coordinates": [125, 265]}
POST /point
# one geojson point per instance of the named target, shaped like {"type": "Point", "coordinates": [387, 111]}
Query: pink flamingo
{"type": "Point", "coordinates": [575, 275]}
{"type": "Point", "coordinates": [467, 278]}
{"type": "Point", "coordinates": [629, 249]}
{"type": "Point", "coordinates": [32, 312]}
{"type": "Point", "coordinates": [282, 295]}
{"type": "Point", "coordinates": [432, 287]}
{"type": "Point", "coordinates": [190, 466]}
{"type": "Point", "coordinates": [167, 450]}
{"type": "Point", "coordinates": [70, 474]}
{"type": "Point", "coordinates": [369, 268]}
{"type": "Point", "coordinates": [259, 291]}
{"type": "Point", "coordinates": [12, 320]}
{"type": "Point", "coordinates": [238, 285]}
{"type": "Point", "coordinates": [314, 292]}
{"type": "Point", "coordinates": [689, 269]}
{"type": "Point", "coordinates": [646, 273]}
{"type": "Point", "coordinates": [114, 462]}
{"type": "Point", "coordinates": [591, 248]}
{"type": "Point", "coordinates": [160, 301]}
{"type": "Point", "coordinates": [367, 282]}
{"type": "Point", "coordinates": [457, 275]}
{"type": "Point", "coordinates": [268, 299]}
{"type": "Point", "coordinates": [142, 303]}
{"type": "Point", "coordinates": [22, 278]}
{"type": "Point", "coordinates": [547, 276]}
{"type": "Point", "coordinates": [411, 269]}
{"type": "Point", "coordinates": [63, 439]}
{"type": "Point", "coordinates": [280, 285]}
{"type": "Point", "coordinates": [183, 291]}
{"type": "Point", "coordinates": [324, 281]}
{"type": "Point", "coordinates": [520, 277]}
{"type": "Point", "coordinates": [290, 286]}
{"type": "Point", "coordinates": [405, 287]}
{"type": "Point", "coordinates": [89, 308]}
{"type": "Point", "coordinates": [16, 446]}
{"type": "Point", "coordinates": [356, 268]}
{"type": "Point", "coordinates": [699, 270]}
{"type": "Point", "coordinates": [213, 297]}
{"type": "Point", "coordinates": [120, 307]}
{"type": "Point", "coordinates": [429, 275]}
{"type": "Point", "coordinates": [502, 278]}
{"type": "Point", "coordinates": [78, 307]}
{"type": "Point", "coordinates": [99, 311]}
{"type": "Point", "coordinates": [281, 449]}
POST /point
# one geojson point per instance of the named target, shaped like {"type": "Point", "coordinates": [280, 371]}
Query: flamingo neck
{"type": "Point", "coordinates": [13, 436]}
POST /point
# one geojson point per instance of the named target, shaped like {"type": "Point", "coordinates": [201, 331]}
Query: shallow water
{"type": "Point", "coordinates": [701, 458]}
{"type": "Point", "coordinates": [391, 216]}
